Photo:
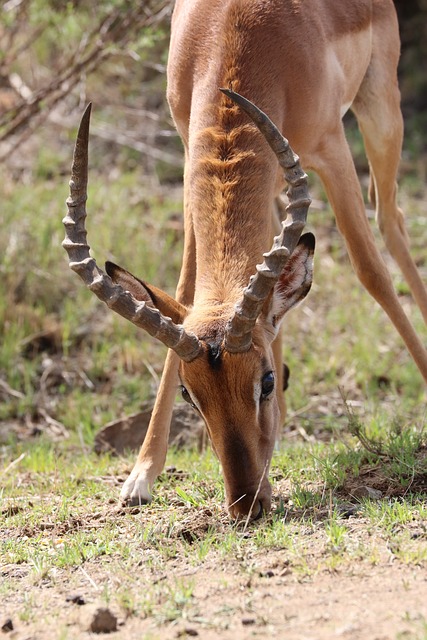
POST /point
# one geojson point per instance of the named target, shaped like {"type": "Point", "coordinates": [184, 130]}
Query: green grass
{"type": "Point", "coordinates": [53, 496]}
{"type": "Point", "coordinates": [62, 525]}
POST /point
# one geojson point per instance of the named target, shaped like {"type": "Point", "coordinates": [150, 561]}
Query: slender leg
{"type": "Point", "coordinates": [338, 174]}
{"type": "Point", "coordinates": [152, 455]}
{"type": "Point", "coordinates": [278, 361]}
{"type": "Point", "coordinates": [377, 108]}
{"type": "Point", "coordinates": [151, 458]}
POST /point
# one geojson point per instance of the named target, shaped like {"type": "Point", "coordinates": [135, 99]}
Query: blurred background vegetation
{"type": "Point", "coordinates": [67, 365]}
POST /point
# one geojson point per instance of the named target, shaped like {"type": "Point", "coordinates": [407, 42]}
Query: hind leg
{"type": "Point", "coordinates": [377, 108]}
{"type": "Point", "coordinates": [336, 169]}
{"type": "Point", "coordinates": [280, 380]}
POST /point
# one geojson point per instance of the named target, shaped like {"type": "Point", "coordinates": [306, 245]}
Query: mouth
{"type": "Point", "coordinates": [249, 501]}
{"type": "Point", "coordinates": [247, 509]}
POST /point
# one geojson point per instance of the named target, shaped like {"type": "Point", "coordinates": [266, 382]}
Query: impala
{"type": "Point", "coordinates": [304, 63]}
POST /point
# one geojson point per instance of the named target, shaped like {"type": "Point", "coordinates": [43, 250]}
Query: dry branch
{"type": "Point", "coordinates": [113, 32]}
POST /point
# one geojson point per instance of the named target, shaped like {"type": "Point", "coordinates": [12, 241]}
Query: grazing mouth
{"type": "Point", "coordinates": [248, 511]}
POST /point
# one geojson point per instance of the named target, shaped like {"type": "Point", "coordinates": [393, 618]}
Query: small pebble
{"type": "Point", "coordinates": [103, 621]}
{"type": "Point", "coordinates": [7, 626]}
{"type": "Point", "coordinates": [75, 598]}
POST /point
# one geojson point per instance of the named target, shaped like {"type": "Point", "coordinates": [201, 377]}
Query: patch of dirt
{"type": "Point", "coordinates": [356, 603]}
{"type": "Point", "coordinates": [301, 588]}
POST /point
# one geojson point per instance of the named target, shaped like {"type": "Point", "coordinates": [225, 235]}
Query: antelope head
{"type": "Point", "coordinates": [226, 370]}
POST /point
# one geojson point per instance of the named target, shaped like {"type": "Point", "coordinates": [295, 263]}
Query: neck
{"type": "Point", "coordinates": [231, 191]}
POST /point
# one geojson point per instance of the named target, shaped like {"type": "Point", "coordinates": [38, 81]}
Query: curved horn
{"type": "Point", "coordinates": [238, 334]}
{"type": "Point", "coordinates": [174, 336]}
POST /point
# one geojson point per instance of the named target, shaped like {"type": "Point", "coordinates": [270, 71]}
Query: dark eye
{"type": "Point", "coordinates": [186, 396]}
{"type": "Point", "coordinates": [267, 385]}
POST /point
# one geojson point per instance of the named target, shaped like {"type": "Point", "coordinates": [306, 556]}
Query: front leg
{"type": "Point", "coordinates": [152, 455]}
{"type": "Point", "coordinates": [280, 381]}
{"type": "Point", "coordinates": [151, 458]}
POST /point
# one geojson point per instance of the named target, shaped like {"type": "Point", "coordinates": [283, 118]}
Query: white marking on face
{"type": "Point", "coordinates": [194, 399]}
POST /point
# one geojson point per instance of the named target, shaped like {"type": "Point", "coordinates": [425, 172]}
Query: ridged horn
{"type": "Point", "coordinates": [174, 336]}
{"type": "Point", "coordinates": [238, 334]}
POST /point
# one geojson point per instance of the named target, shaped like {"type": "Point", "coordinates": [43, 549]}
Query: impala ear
{"type": "Point", "coordinates": [153, 296]}
{"type": "Point", "coordinates": [294, 282]}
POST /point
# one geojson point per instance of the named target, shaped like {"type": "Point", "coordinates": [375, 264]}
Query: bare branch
{"type": "Point", "coordinates": [118, 28]}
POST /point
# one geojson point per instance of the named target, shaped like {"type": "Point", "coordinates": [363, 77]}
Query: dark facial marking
{"type": "Point", "coordinates": [238, 454]}
{"type": "Point", "coordinates": [214, 355]}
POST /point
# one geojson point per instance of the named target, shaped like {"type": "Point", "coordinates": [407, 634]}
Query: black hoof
{"type": "Point", "coordinates": [286, 374]}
